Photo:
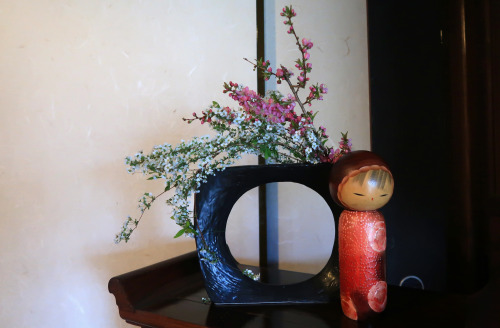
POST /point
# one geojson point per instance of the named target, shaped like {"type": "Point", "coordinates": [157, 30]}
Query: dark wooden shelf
{"type": "Point", "coordinates": [169, 294]}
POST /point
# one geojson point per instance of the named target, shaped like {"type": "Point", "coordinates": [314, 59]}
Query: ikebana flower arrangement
{"type": "Point", "coordinates": [278, 127]}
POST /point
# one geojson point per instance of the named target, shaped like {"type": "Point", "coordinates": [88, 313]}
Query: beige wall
{"type": "Point", "coordinates": [84, 84]}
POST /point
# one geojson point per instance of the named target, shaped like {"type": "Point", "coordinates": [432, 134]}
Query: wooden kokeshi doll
{"type": "Point", "coordinates": [361, 182]}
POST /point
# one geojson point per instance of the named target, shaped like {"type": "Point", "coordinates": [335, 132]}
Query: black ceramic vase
{"type": "Point", "coordinates": [224, 281]}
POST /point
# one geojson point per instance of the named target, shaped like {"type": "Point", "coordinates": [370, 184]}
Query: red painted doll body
{"type": "Point", "coordinates": [362, 263]}
{"type": "Point", "coordinates": [361, 183]}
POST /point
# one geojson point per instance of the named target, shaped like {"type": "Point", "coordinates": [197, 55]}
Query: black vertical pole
{"type": "Point", "coordinates": [261, 89]}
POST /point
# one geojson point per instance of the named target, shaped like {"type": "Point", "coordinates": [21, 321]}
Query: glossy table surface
{"type": "Point", "coordinates": [171, 293]}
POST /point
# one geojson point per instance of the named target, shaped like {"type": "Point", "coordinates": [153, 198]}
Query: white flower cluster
{"type": "Point", "coordinates": [185, 167]}
{"type": "Point", "coordinates": [208, 256]}
{"type": "Point", "coordinates": [249, 273]}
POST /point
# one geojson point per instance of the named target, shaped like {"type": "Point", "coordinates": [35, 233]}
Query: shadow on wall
{"type": "Point", "coordinates": [132, 259]}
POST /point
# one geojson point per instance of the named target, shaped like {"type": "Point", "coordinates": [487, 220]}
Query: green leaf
{"type": "Point", "coordinates": [180, 233]}
{"type": "Point", "coordinates": [265, 151]}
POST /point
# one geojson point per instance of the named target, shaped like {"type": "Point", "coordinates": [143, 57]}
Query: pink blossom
{"type": "Point", "coordinates": [307, 55]}
{"type": "Point", "coordinates": [307, 43]}
{"type": "Point", "coordinates": [279, 72]}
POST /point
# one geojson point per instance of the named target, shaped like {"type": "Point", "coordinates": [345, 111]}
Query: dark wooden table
{"type": "Point", "coordinates": [170, 294]}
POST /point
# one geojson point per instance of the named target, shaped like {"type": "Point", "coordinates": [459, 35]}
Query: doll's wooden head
{"type": "Point", "coordinates": [361, 181]}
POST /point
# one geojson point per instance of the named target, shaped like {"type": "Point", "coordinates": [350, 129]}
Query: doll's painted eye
{"type": "Point", "coordinates": [383, 195]}
{"type": "Point", "coordinates": [358, 194]}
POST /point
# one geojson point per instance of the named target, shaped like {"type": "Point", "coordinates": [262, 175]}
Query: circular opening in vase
{"type": "Point", "coordinates": [300, 233]}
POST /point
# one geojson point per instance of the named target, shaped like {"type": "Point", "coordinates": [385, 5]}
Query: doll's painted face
{"type": "Point", "coordinates": [366, 190]}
